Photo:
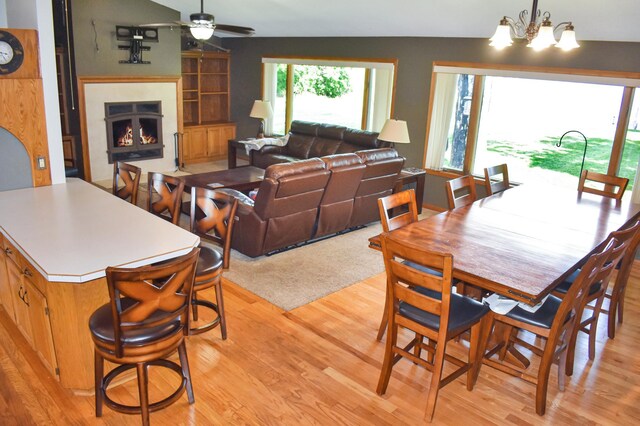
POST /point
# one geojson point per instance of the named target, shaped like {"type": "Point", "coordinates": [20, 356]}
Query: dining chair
{"type": "Point", "coordinates": [130, 177]}
{"type": "Point", "coordinates": [493, 185]}
{"type": "Point", "coordinates": [212, 217]}
{"type": "Point", "coordinates": [404, 205]}
{"type": "Point", "coordinates": [624, 248]}
{"type": "Point", "coordinates": [165, 196]}
{"type": "Point", "coordinates": [145, 321]}
{"type": "Point", "coordinates": [608, 181]}
{"type": "Point", "coordinates": [554, 322]}
{"type": "Point", "coordinates": [424, 304]}
{"type": "Point", "coordinates": [461, 191]}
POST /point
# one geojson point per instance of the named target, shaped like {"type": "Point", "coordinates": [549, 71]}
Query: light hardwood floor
{"type": "Point", "coordinates": [319, 364]}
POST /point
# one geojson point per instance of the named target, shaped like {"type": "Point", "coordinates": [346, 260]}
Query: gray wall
{"type": "Point", "coordinates": [415, 58]}
{"type": "Point", "coordinates": [15, 164]}
{"type": "Point", "coordinates": [104, 60]}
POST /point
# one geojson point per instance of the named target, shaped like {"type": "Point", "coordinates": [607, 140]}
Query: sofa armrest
{"type": "Point", "coordinates": [272, 149]}
{"type": "Point", "coordinates": [242, 198]}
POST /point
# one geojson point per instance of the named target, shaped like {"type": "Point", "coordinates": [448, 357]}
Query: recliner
{"type": "Point", "coordinates": [285, 210]}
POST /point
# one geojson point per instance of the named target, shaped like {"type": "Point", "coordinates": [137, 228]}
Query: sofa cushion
{"type": "Point", "coordinates": [304, 128]}
{"type": "Point", "coordinates": [355, 140]}
{"type": "Point", "coordinates": [322, 146]}
{"type": "Point", "coordinates": [299, 145]}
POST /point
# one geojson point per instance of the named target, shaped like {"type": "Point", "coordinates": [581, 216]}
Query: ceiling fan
{"type": "Point", "coordinates": [203, 24]}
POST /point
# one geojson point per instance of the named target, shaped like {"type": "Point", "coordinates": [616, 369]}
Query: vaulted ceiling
{"type": "Point", "coordinates": [610, 20]}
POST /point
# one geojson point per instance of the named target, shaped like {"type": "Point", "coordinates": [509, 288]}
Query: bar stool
{"type": "Point", "coordinates": [130, 177]}
{"type": "Point", "coordinates": [165, 196]}
{"type": "Point", "coordinates": [145, 321]}
{"type": "Point", "coordinates": [212, 217]}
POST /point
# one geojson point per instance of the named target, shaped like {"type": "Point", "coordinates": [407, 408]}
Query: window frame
{"type": "Point", "coordinates": [332, 62]}
{"type": "Point", "coordinates": [629, 80]}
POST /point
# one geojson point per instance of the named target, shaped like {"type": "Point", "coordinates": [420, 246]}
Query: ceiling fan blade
{"type": "Point", "coordinates": [234, 29]}
{"type": "Point", "coordinates": [165, 24]}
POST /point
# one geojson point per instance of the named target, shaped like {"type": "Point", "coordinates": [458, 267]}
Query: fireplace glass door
{"type": "Point", "coordinates": [134, 131]}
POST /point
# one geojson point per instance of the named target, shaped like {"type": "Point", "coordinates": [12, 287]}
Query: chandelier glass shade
{"type": "Point", "coordinates": [539, 35]}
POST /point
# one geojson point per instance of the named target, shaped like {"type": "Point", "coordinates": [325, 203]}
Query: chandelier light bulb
{"type": "Point", "coordinates": [568, 39]}
{"type": "Point", "coordinates": [502, 36]}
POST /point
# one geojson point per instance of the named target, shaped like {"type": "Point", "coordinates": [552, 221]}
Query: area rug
{"type": "Point", "coordinates": [299, 276]}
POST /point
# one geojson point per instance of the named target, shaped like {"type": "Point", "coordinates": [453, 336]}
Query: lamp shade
{"type": "Point", "coordinates": [394, 131]}
{"type": "Point", "coordinates": [261, 109]}
{"type": "Point", "coordinates": [502, 37]}
{"type": "Point", "coordinates": [544, 38]}
{"type": "Point", "coordinates": [568, 39]}
{"type": "Point", "coordinates": [201, 33]}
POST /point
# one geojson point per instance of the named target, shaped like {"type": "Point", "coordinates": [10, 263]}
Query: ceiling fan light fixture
{"type": "Point", "coordinates": [201, 18]}
{"type": "Point", "coordinates": [201, 33]}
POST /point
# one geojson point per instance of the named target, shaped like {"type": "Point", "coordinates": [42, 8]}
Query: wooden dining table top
{"type": "Point", "coordinates": [521, 242]}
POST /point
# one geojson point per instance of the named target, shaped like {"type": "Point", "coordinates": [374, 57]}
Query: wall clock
{"type": "Point", "coordinates": [11, 53]}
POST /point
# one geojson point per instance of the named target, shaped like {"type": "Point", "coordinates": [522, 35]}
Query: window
{"type": "Point", "coordinates": [354, 94]}
{"type": "Point", "coordinates": [481, 117]}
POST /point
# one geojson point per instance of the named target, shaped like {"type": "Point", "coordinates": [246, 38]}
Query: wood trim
{"type": "Point", "coordinates": [30, 68]}
{"type": "Point", "coordinates": [432, 94]}
{"type": "Point", "coordinates": [180, 112]}
{"type": "Point", "coordinates": [474, 124]}
{"type": "Point", "coordinates": [545, 70]}
{"type": "Point", "coordinates": [621, 132]}
{"type": "Point", "coordinates": [366, 99]}
{"type": "Point", "coordinates": [288, 114]}
{"type": "Point", "coordinates": [392, 110]}
{"type": "Point", "coordinates": [335, 58]}
{"type": "Point", "coordinates": [83, 80]}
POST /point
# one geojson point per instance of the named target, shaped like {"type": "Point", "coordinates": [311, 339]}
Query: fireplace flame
{"type": "Point", "coordinates": [127, 138]}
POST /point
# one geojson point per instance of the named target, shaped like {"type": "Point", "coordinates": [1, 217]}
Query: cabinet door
{"type": "Point", "coordinates": [6, 296]}
{"type": "Point", "coordinates": [194, 144]}
{"type": "Point", "coordinates": [21, 310]}
{"type": "Point", "coordinates": [217, 141]}
{"type": "Point", "coordinates": [42, 338]}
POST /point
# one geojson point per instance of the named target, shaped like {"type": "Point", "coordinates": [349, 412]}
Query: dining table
{"type": "Point", "coordinates": [522, 242]}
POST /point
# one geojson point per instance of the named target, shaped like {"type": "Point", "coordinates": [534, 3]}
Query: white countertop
{"type": "Point", "coordinates": [72, 232]}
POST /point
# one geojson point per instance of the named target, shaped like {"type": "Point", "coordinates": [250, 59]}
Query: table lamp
{"type": "Point", "coordinates": [261, 110]}
{"type": "Point", "coordinates": [394, 131]}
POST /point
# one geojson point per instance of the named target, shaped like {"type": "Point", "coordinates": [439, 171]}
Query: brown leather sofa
{"type": "Point", "coordinates": [312, 198]}
{"type": "Point", "coordinates": [309, 140]}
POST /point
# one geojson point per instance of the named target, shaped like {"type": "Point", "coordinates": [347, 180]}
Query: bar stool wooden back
{"type": "Point", "coordinates": [165, 196]}
{"type": "Point", "coordinates": [130, 176]}
{"type": "Point", "coordinates": [212, 217]}
{"type": "Point", "coordinates": [146, 320]}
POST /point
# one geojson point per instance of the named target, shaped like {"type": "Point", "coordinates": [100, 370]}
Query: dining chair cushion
{"type": "Point", "coordinates": [101, 326]}
{"type": "Point", "coordinates": [563, 287]}
{"type": "Point", "coordinates": [463, 312]}
{"type": "Point", "coordinates": [209, 260]}
{"type": "Point", "coordinates": [543, 317]}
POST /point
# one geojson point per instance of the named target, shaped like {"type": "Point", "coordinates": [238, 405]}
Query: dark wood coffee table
{"type": "Point", "coordinates": [241, 178]}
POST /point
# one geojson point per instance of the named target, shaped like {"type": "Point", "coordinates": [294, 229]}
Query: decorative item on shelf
{"type": "Point", "coordinates": [538, 35]}
{"type": "Point", "coordinates": [261, 110]}
{"type": "Point", "coordinates": [394, 131]}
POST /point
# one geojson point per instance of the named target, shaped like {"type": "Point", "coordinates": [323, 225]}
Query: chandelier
{"type": "Point", "coordinates": [538, 35]}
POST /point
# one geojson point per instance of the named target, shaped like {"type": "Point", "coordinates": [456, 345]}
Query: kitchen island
{"type": "Point", "coordinates": [57, 242]}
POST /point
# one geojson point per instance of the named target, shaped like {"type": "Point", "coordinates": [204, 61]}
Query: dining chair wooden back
{"type": "Point", "coordinates": [613, 186]}
{"type": "Point", "coordinates": [461, 191]}
{"type": "Point", "coordinates": [424, 303]}
{"type": "Point", "coordinates": [554, 321]}
{"type": "Point", "coordinates": [130, 176]}
{"type": "Point", "coordinates": [145, 321]}
{"type": "Point", "coordinates": [213, 214]}
{"type": "Point", "coordinates": [403, 205]}
{"type": "Point", "coordinates": [589, 324]}
{"type": "Point", "coordinates": [403, 202]}
{"type": "Point", "coordinates": [493, 185]}
{"type": "Point", "coordinates": [616, 295]}
{"type": "Point", "coordinates": [165, 196]}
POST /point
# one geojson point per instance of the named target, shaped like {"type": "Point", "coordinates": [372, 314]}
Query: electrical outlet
{"type": "Point", "coordinates": [42, 163]}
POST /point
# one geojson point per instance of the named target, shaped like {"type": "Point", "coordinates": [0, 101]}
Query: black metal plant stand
{"type": "Point", "coordinates": [584, 154]}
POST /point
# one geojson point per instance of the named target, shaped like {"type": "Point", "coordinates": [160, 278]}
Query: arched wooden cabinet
{"type": "Point", "coordinates": [22, 104]}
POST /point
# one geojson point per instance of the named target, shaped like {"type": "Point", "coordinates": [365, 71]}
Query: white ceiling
{"type": "Point", "coordinates": [611, 20]}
